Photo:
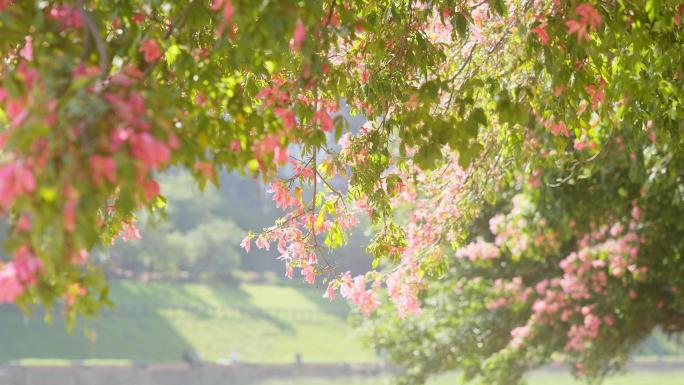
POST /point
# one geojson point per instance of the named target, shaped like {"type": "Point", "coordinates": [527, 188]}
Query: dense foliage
{"type": "Point", "coordinates": [521, 163]}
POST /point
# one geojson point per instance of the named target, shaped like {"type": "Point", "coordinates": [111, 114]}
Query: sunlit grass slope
{"type": "Point", "coordinates": [156, 322]}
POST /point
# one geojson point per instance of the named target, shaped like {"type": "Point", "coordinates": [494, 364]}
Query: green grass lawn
{"type": "Point", "coordinates": [155, 322]}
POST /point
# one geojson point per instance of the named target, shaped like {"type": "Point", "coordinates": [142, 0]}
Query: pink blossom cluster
{"type": "Point", "coordinates": [589, 19]}
{"type": "Point", "coordinates": [509, 292]}
{"type": "Point", "coordinates": [16, 179]}
{"type": "Point", "coordinates": [603, 266]}
{"type": "Point", "coordinates": [17, 274]}
{"type": "Point", "coordinates": [403, 286]}
{"type": "Point", "coordinates": [296, 233]}
{"type": "Point", "coordinates": [519, 334]}
{"type": "Point", "coordinates": [478, 250]}
{"type": "Point", "coordinates": [594, 272]}
{"type": "Point", "coordinates": [130, 232]}
{"type": "Point", "coordinates": [67, 16]}
{"type": "Point", "coordinates": [519, 235]}
{"type": "Point", "coordinates": [355, 290]}
{"type": "Point", "coordinates": [282, 196]}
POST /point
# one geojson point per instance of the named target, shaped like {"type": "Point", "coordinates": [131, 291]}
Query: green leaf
{"type": "Point", "coordinates": [498, 6]}
{"type": "Point", "coordinates": [172, 53]}
{"type": "Point", "coordinates": [460, 23]}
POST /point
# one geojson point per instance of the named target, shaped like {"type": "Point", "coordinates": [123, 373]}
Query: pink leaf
{"type": "Point", "coordinates": [298, 36]}
{"type": "Point", "coordinates": [323, 118]}
{"type": "Point", "coordinates": [27, 51]}
{"type": "Point", "coordinates": [151, 51]}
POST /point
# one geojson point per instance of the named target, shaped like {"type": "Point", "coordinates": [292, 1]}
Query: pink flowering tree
{"type": "Point", "coordinates": [520, 166]}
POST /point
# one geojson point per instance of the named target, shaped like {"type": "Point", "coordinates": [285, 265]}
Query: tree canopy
{"type": "Point", "coordinates": [521, 164]}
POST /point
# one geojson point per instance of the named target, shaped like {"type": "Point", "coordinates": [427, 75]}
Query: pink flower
{"type": "Point", "coordinates": [323, 118]}
{"type": "Point", "coordinates": [10, 287]}
{"type": "Point", "coordinates": [151, 152]}
{"type": "Point", "coordinates": [130, 232]}
{"type": "Point", "coordinates": [365, 76]}
{"type": "Point", "coordinates": [309, 274]}
{"type": "Point", "coordinates": [519, 335]}
{"type": "Point", "coordinates": [200, 99]}
{"type": "Point", "coordinates": [580, 145]}
{"type": "Point", "coordinates": [15, 181]}
{"type": "Point", "coordinates": [138, 18]}
{"type": "Point", "coordinates": [280, 155]}
{"type": "Point", "coordinates": [216, 5]}
{"type": "Point", "coordinates": [589, 18]}
{"type": "Point", "coordinates": [345, 140]}
{"type": "Point", "coordinates": [80, 257]}
{"type": "Point", "coordinates": [539, 306]}
{"type": "Point", "coordinates": [596, 94]}
{"type": "Point", "coordinates": [27, 51]}
{"type": "Point", "coordinates": [235, 145]}
{"type": "Point", "coordinates": [262, 243]}
{"type": "Point", "coordinates": [636, 212]}
{"type": "Point", "coordinates": [130, 109]}
{"type": "Point", "coordinates": [541, 286]}
{"type": "Point", "coordinates": [103, 167]}
{"type": "Point", "coordinates": [67, 16]}
{"type": "Point", "coordinates": [151, 51]}
{"type": "Point", "coordinates": [24, 223]}
{"type": "Point", "coordinates": [589, 15]}
{"type": "Point", "coordinates": [227, 11]}
{"type": "Point", "coordinates": [26, 265]}
{"type": "Point", "coordinates": [355, 290]}
{"type": "Point", "coordinates": [151, 189]}
{"type": "Point", "coordinates": [478, 251]}
{"type": "Point", "coordinates": [4, 4]}
{"type": "Point", "coordinates": [286, 116]}
{"type": "Point", "coordinates": [576, 27]}
{"type": "Point", "coordinates": [329, 292]}
{"type": "Point", "coordinates": [521, 331]}
{"type": "Point", "coordinates": [70, 215]}
{"type": "Point", "coordinates": [560, 129]}
{"type": "Point", "coordinates": [592, 322]}
{"type": "Point", "coordinates": [206, 168]}
{"type": "Point", "coordinates": [246, 244]}
{"type": "Point", "coordinates": [495, 223]}
{"type": "Point", "coordinates": [403, 289]}
{"type": "Point", "coordinates": [298, 36]}
{"type": "Point", "coordinates": [173, 142]}
{"type": "Point", "coordinates": [368, 303]}
{"type": "Point", "coordinates": [282, 196]}
{"type": "Point", "coordinates": [540, 31]}
{"type": "Point", "coordinates": [616, 229]}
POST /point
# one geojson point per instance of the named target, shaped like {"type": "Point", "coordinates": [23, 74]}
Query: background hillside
{"type": "Point", "coordinates": [202, 234]}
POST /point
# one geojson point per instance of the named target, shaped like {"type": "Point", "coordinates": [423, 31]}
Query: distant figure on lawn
{"type": "Point", "coordinates": [192, 357]}
{"type": "Point", "coordinates": [234, 356]}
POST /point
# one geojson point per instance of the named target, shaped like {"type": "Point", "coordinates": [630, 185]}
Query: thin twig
{"type": "Point", "coordinates": [339, 194]}
{"type": "Point", "coordinates": [330, 12]}
{"type": "Point", "coordinates": [95, 34]}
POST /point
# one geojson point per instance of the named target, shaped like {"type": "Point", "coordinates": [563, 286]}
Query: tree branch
{"type": "Point", "coordinates": [95, 34]}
